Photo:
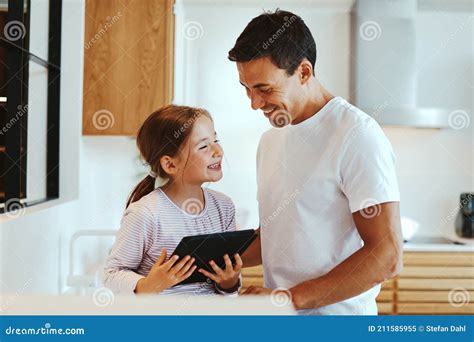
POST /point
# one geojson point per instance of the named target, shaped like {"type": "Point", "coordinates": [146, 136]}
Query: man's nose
{"type": "Point", "coordinates": [256, 101]}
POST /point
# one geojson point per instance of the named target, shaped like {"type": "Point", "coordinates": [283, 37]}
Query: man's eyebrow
{"type": "Point", "coordinates": [258, 85]}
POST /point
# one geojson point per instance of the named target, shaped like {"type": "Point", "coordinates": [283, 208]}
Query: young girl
{"type": "Point", "coordinates": [180, 146]}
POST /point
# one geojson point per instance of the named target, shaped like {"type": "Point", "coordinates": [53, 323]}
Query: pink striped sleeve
{"type": "Point", "coordinates": [132, 241]}
{"type": "Point", "coordinates": [230, 217]}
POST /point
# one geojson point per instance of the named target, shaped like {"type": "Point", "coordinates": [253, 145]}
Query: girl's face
{"type": "Point", "coordinates": [201, 157]}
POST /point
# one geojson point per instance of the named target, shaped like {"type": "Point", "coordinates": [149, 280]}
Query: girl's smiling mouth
{"type": "Point", "coordinates": [215, 167]}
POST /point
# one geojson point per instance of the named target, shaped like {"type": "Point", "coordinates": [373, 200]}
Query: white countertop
{"type": "Point", "coordinates": [103, 302]}
{"type": "Point", "coordinates": [434, 244]}
{"type": "Point", "coordinates": [436, 247]}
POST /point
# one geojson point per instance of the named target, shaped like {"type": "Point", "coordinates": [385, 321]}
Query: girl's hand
{"type": "Point", "coordinates": [227, 278]}
{"type": "Point", "coordinates": [166, 274]}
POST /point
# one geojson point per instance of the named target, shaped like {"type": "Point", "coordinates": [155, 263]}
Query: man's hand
{"type": "Point", "coordinates": [257, 290]}
{"type": "Point", "coordinates": [277, 294]}
{"type": "Point", "coordinates": [253, 255]}
{"type": "Point", "coordinates": [227, 278]}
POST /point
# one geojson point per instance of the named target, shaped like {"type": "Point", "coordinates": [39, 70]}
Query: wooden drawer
{"type": "Point", "coordinates": [427, 296]}
{"type": "Point", "coordinates": [437, 272]}
{"type": "Point", "coordinates": [434, 284]}
{"type": "Point", "coordinates": [438, 259]}
{"type": "Point", "coordinates": [434, 309]}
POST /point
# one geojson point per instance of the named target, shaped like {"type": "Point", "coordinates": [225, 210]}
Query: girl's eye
{"type": "Point", "coordinates": [203, 147]}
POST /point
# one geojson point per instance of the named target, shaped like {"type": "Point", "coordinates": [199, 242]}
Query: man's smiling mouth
{"type": "Point", "coordinates": [269, 111]}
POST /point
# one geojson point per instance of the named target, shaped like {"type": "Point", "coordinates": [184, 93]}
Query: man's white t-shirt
{"type": "Point", "coordinates": [311, 178]}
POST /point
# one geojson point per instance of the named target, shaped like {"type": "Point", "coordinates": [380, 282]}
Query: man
{"type": "Point", "coordinates": [327, 190]}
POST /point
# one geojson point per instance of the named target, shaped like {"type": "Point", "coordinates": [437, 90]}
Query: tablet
{"type": "Point", "coordinates": [207, 247]}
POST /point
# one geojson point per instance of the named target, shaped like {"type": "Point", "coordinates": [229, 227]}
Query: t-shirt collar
{"type": "Point", "coordinates": [317, 117]}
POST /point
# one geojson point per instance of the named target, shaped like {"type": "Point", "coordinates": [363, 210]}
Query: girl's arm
{"type": "Point", "coordinates": [131, 243]}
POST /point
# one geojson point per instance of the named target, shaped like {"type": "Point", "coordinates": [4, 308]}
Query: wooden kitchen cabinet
{"type": "Point", "coordinates": [128, 63]}
{"type": "Point", "coordinates": [437, 283]}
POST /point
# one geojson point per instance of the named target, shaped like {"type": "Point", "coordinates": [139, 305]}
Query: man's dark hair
{"type": "Point", "coordinates": [280, 35]}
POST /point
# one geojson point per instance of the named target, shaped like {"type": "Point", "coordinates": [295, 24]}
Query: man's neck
{"type": "Point", "coordinates": [318, 98]}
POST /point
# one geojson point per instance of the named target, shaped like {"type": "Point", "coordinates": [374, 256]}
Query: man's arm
{"type": "Point", "coordinates": [253, 255]}
{"type": "Point", "coordinates": [378, 260]}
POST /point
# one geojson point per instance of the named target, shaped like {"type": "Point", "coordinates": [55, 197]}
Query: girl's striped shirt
{"type": "Point", "coordinates": [154, 222]}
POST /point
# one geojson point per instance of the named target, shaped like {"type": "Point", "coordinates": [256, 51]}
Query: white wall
{"type": "Point", "coordinates": [433, 168]}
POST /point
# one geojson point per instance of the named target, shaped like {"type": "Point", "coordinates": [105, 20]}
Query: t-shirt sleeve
{"type": "Point", "coordinates": [367, 168]}
{"type": "Point", "coordinates": [130, 245]}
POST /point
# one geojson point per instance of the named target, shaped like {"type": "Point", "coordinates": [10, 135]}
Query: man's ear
{"type": "Point", "coordinates": [305, 71]}
{"type": "Point", "coordinates": [168, 164]}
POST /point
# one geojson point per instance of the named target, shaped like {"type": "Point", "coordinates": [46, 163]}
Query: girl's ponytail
{"type": "Point", "coordinates": [143, 188]}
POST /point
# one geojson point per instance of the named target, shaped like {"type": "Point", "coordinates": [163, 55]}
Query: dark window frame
{"type": "Point", "coordinates": [18, 58]}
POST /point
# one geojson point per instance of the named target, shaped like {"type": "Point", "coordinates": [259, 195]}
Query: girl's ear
{"type": "Point", "coordinates": [168, 164]}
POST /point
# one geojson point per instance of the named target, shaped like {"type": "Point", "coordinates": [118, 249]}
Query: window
{"type": "Point", "coordinates": [30, 54]}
